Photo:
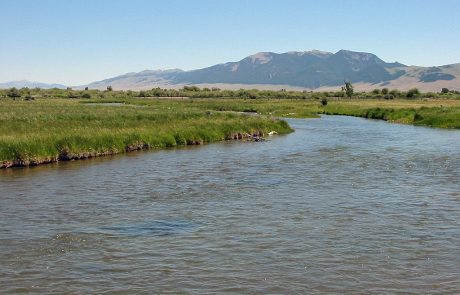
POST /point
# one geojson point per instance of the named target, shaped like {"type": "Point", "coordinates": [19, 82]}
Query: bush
{"type": "Point", "coordinates": [395, 93]}
{"type": "Point", "coordinates": [389, 96]}
{"type": "Point", "coordinates": [412, 93]}
{"type": "Point", "coordinates": [191, 88]}
{"type": "Point", "coordinates": [324, 101]}
{"type": "Point", "coordinates": [86, 95]}
{"type": "Point", "coordinates": [71, 94]}
{"type": "Point", "coordinates": [13, 92]}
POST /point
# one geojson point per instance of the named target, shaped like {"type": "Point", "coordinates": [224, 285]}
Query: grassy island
{"type": "Point", "coordinates": [42, 126]}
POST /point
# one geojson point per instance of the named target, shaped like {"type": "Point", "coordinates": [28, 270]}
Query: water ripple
{"type": "Point", "coordinates": [343, 205]}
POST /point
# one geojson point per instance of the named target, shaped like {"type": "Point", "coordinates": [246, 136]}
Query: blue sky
{"type": "Point", "coordinates": [78, 41]}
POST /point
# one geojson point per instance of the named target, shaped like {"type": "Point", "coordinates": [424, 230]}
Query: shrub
{"type": "Point", "coordinates": [71, 94]}
{"type": "Point", "coordinates": [324, 101]}
{"type": "Point", "coordinates": [395, 93]}
{"type": "Point", "coordinates": [412, 93]}
{"type": "Point", "coordinates": [13, 92]}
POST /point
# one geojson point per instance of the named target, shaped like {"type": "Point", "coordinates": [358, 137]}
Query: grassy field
{"type": "Point", "coordinates": [40, 131]}
{"type": "Point", "coordinates": [50, 129]}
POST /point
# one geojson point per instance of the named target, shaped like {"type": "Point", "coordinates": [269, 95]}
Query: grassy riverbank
{"type": "Point", "coordinates": [439, 113]}
{"type": "Point", "coordinates": [46, 130]}
{"type": "Point", "coordinates": [432, 113]}
{"type": "Point", "coordinates": [51, 129]}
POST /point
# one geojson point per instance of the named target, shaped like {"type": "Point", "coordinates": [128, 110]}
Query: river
{"type": "Point", "coordinates": [342, 205]}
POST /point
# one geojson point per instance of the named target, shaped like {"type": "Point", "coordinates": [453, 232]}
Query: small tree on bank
{"type": "Point", "coordinates": [348, 89]}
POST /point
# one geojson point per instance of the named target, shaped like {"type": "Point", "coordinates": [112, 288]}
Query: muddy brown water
{"type": "Point", "coordinates": [343, 205]}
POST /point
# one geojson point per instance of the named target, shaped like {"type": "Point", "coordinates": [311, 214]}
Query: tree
{"type": "Point", "coordinates": [191, 88]}
{"type": "Point", "coordinates": [444, 90]}
{"type": "Point", "coordinates": [13, 92]}
{"type": "Point", "coordinates": [412, 93]}
{"type": "Point", "coordinates": [385, 91]}
{"type": "Point", "coordinates": [395, 93]}
{"type": "Point", "coordinates": [324, 101]}
{"type": "Point", "coordinates": [109, 88]}
{"type": "Point", "coordinates": [86, 88]}
{"type": "Point", "coordinates": [348, 89]}
{"type": "Point", "coordinates": [389, 96]}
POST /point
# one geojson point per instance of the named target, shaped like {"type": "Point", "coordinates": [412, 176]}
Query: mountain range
{"type": "Point", "coordinates": [30, 84]}
{"type": "Point", "coordinates": [300, 70]}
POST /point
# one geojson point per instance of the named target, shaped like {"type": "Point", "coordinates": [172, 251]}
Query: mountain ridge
{"type": "Point", "coordinates": [30, 84]}
{"type": "Point", "coordinates": [310, 70]}
{"type": "Point", "coordinates": [306, 70]}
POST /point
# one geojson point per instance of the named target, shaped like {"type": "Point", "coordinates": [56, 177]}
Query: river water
{"type": "Point", "coordinates": [343, 205]}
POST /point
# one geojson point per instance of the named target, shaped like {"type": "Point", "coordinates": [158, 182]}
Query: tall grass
{"type": "Point", "coordinates": [434, 113]}
{"type": "Point", "coordinates": [45, 130]}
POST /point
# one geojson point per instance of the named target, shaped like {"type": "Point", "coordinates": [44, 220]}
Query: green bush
{"type": "Point", "coordinates": [413, 93]}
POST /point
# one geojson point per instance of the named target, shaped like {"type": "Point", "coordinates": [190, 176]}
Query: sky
{"type": "Point", "coordinates": [74, 42]}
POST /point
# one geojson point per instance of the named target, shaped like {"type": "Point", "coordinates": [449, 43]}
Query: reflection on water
{"type": "Point", "coordinates": [343, 205]}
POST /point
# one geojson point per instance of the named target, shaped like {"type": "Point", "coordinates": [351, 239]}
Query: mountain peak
{"type": "Point", "coordinates": [261, 57]}
{"type": "Point", "coordinates": [358, 56]}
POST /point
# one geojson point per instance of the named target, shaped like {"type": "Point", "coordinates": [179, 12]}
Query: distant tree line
{"type": "Point", "coordinates": [195, 92]}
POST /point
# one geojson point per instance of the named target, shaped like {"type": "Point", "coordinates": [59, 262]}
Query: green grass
{"type": "Point", "coordinates": [44, 130]}
{"type": "Point", "coordinates": [432, 113]}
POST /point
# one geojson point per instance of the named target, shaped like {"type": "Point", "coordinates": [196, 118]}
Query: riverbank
{"type": "Point", "coordinates": [51, 130]}
{"type": "Point", "coordinates": [431, 113]}
{"type": "Point", "coordinates": [48, 130]}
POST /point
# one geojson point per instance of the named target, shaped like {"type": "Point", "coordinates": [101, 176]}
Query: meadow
{"type": "Point", "coordinates": [48, 129]}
